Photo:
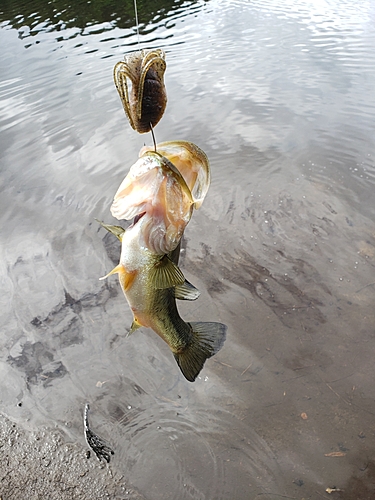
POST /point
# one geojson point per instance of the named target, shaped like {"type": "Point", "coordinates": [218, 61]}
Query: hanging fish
{"type": "Point", "coordinates": [151, 283]}
{"type": "Point", "coordinates": [139, 80]}
{"type": "Point", "coordinates": [158, 195]}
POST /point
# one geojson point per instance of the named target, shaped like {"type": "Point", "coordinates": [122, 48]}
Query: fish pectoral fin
{"type": "Point", "coordinates": [186, 291]}
{"type": "Point", "coordinates": [118, 231]}
{"type": "Point", "coordinates": [165, 274]}
{"type": "Point", "coordinates": [134, 326]}
{"type": "Point", "coordinates": [118, 269]}
{"type": "Point", "coordinates": [207, 339]}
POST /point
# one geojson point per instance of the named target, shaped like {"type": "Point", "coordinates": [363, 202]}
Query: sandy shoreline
{"type": "Point", "coordinates": [39, 465]}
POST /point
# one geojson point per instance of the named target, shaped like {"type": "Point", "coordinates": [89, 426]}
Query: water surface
{"type": "Point", "coordinates": [280, 95]}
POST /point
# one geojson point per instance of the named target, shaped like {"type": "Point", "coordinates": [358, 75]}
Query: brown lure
{"type": "Point", "coordinates": [144, 98]}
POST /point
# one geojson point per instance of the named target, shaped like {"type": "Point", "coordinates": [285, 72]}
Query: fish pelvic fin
{"type": "Point", "coordinates": [118, 269]}
{"type": "Point", "coordinates": [118, 231]}
{"type": "Point", "coordinates": [186, 291]}
{"type": "Point", "coordinates": [165, 274]}
{"type": "Point", "coordinates": [207, 340]}
{"type": "Point", "coordinates": [126, 278]}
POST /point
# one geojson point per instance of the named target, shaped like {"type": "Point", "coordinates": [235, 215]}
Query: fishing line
{"type": "Point", "coordinates": [153, 136]}
{"type": "Point", "coordinates": [139, 48]}
{"type": "Point", "coordinates": [137, 24]}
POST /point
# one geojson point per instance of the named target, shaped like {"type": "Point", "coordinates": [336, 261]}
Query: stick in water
{"type": "Point", "coordinates": [95, 442]}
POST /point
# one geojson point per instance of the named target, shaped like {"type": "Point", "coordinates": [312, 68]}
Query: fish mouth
{"type": "Point", "coordinates": [137, 218]}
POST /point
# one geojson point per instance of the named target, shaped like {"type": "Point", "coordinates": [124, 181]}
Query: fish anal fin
{"type": "Point", "coordinates": [186, 291]}
{"type": "Point", "coordinates": [207, 340]}
{"type": "Point", "coordinates": [134, 326]}
{"type": "Point", "coordinates": [165, 274]}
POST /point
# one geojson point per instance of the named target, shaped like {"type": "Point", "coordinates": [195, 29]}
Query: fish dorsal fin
{"type": "Point", "coordinates": [186, 291]}
{"type": "Point", "coordinates": [134, 326]}
{"type": "Point", "coordinates": [165, 274]}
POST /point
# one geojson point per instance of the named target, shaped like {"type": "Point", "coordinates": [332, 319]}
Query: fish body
{"type": "Point", "coordinates": [151, 283]}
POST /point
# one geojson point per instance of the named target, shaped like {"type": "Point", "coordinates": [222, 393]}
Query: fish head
{"type": "Point", "coordinates": [156, 194]}
{"type": "Point", "coordinates": [191, 162]}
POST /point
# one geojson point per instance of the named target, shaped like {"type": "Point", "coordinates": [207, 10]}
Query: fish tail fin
{"type": "Point", "coordinates": [207, 340]}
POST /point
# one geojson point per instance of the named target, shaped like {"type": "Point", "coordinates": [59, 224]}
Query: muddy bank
{"type": "Point", "coordinates": [41, 465]}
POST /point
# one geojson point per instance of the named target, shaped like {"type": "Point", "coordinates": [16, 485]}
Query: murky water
{"type": "Point", "coordinates": [281, 97]}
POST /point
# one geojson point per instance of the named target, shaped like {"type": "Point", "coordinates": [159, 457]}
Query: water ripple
{"type": "Point", "coordinates": [194, 459]}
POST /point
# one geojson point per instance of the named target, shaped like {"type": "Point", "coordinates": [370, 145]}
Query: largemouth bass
{"type": "Point", "coordinates": [161, 195]}
{"type": "Point", "coordinates": [151, 283]}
